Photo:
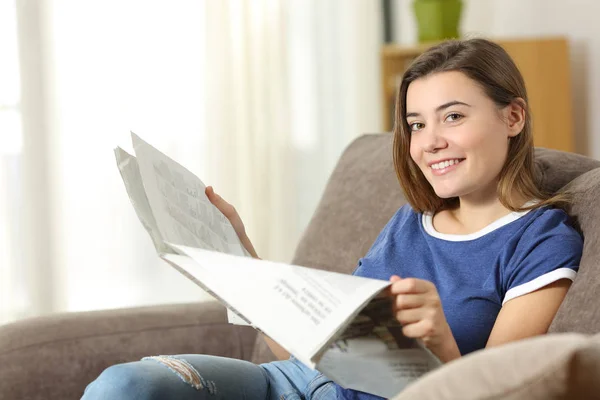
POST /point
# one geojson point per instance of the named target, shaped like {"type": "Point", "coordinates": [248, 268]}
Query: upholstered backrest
{"type": "Point", "coordinates": [580, 311]}
{"type": "Point", "coordinates": [361, 196]}
{"type": "Point", "coordinates": [363, 193]}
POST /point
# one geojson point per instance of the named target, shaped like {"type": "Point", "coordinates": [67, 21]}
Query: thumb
{"type": "Point", "coordinates": [393, 278]}
{"type": "Point", "coordinates": [227, 209]}
{"type": "Point", "coordinates": [212, 196]}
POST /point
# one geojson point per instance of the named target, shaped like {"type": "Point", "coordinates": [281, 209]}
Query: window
{"type": "Point", "coordinates": [10, 162]}
{"type": "Point", "coordinates": [10, 120]}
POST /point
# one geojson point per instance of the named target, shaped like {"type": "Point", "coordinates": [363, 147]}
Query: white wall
{"type": "Point", "coordinates": [574, 19]}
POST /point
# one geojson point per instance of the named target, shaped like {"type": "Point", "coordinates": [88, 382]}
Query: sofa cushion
{"type": "Point", "coordinates": [555, 169]}
{"type": "Point", "coordinates": [550, 367]}
{"type": "Point", "coordinates": [360, 197]}
{"type": "Point", "coordinates": [580, 311]}
{"type": "Point", "coordinates": [57, 356]}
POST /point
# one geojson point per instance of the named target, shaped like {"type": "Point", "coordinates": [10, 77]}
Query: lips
{"type": "Point", "coordinates": [445, 163]}
{"type": "Point", "coordinates": [444, 166]}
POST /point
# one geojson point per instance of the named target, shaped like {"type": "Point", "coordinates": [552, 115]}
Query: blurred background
{"type": "Point", "coordinates": [256, 97]}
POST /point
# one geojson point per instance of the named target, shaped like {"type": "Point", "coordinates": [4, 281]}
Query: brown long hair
{"type": "Point", "coordinates": [491, 67]}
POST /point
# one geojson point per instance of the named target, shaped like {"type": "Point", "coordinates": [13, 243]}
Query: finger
{"type": "Point", "coordinates": [410, 285]}
{"type": "Point", "coordinates": [421, 329]}
{"type": "Point", "coordinates": [388, 291]}
{"type": "Point", "coordinates": [210, 193]}
{"type": "Point", "coordinates": [407, 301]}
{"type": "Point", "coordinates": [406, 317]}
{"type": "Point", "coordinates": [393, 278]}
{"type": "Point", "coordinates": [227, 209]}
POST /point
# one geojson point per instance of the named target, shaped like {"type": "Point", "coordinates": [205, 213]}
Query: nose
{"type": "Point", "coordinates": [433, 141]}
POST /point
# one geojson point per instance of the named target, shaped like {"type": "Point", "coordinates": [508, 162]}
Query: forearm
{"type": "Point", "coordinates": [447, 350]}
{"type": "Point", "coordinates": [249, 246]}
{"type": "Point", "coordinates": [277, 350]}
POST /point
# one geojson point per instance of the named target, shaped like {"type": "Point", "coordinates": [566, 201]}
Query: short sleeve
{"type": "Point", "coordinates": [375, 257]}
{"type": "Point", "coordinates": [380, 242]}
{"type": "Point", "coordinates": [549, 250]}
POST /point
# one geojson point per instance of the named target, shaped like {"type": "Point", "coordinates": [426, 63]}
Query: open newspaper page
{"type": "Point", "coordinates": [374, 342]}
{"type": "Point", "coordinates": [300, 308]}
{"type": "Point", "coordinates": [335, 322]}
{"type": "Point", "coordinates": [130, 172]}
{"type": "Point", "coordinates": [170, 202]}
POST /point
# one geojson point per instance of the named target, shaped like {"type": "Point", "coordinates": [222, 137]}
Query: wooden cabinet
{"type": "Point", "coordinates": [544, 64]}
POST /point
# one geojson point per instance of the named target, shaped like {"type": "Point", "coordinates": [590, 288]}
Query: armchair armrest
{"type": "Point", "coordinates": [55, 357]}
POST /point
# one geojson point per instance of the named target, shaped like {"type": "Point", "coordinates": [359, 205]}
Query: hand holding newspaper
{"type": "Point", "coordinates": [340, 324]}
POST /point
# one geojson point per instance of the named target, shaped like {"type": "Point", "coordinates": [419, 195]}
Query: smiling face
{"type": "Point", "coordinates": [459, 136]}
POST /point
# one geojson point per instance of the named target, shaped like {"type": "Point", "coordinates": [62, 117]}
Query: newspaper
{"type": "Point", "coordinates": [340, 324]}
{"type": "Point", "coordinates": [171, 204]}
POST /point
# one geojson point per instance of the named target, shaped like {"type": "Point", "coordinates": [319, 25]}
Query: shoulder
{"type": "Point", "coordinates": [548, 249]}
{"type": "Point", "coordinates": [404, 219]}
{"type": "Point", "coordinates": [405, 215]}
{"type": "Point", "coordinates": [550, 232]}
{"type": "Point", "coordinates": [547, 222]}
{"type": "Point", "coordinates": [406, 212]}
{"type": "Point", "coordinates": [390, 244]}
{"type": "Point", "coordinates": [547, 237]}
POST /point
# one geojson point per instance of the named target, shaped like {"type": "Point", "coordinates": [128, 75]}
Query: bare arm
{"type": "Point", "coordinates": [522, 317]}
{"type": "Point", "coordinates": [238, 225]}
{"type": "Point", "coordinates": [418, 308]}
{"type": "Point", "coordinates": [528, 315]}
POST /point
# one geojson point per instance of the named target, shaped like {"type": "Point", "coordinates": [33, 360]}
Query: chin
{"type": "Point", "coordinates": [446, 196]}
{"type": "Point", "coordinates": [446, 193]}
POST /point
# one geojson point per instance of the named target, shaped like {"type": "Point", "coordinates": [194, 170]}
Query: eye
{"type": "Point", "coordinates": [416, 126]}
{"type": "Point", "coordinates": [453, 117]}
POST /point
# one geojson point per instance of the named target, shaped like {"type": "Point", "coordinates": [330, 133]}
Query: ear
{"type": "Point", "coordinates": [515, 116]}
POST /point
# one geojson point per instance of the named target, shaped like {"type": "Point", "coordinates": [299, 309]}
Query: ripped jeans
{"type": "Point", "coordinates": [202, 377]}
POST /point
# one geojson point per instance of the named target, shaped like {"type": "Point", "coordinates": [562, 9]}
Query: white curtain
{"type": "Point", "coordinates": [291, 83]}
{"type": "Point", "coordinates": [257, 97]}
{"type": "Point", "coordinates": [11, 299]}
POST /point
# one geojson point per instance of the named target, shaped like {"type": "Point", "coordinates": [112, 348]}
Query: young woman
{"type": "Point", "coordinates": [479, 257]}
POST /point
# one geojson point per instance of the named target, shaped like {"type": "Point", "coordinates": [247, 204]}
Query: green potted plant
{"type": "Point", "coordinates": [437, 19]}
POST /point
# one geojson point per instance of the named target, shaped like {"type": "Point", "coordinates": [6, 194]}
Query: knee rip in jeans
{"type": "Point", "coordinates": [185, 371]}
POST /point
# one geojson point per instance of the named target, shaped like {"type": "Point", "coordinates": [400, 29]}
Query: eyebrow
{"type": "Point", "coordinates": [440, 108]}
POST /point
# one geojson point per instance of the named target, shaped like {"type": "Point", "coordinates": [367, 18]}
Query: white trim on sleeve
{"type": "Point", "coordinates": [539, 282]}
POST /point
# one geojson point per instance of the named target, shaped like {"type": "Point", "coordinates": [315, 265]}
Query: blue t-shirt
{"type": "Point", "coordinates": [474, 274]}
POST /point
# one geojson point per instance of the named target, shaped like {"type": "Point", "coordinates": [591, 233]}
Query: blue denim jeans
{"type": "Point", "coordinates": [199, 377]}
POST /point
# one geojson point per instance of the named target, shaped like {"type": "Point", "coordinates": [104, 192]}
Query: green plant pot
{"type": "Point", "coordinates": [437, 19]}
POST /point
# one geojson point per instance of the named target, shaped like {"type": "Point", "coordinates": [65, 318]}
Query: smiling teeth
{"type": "Point", "coordinates": [445, 164]}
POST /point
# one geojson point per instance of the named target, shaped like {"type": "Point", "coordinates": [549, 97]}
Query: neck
{"type": "Point", "coordinates": [474, 214]}
{"type": "Point", "coordinates": [473, 217]}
